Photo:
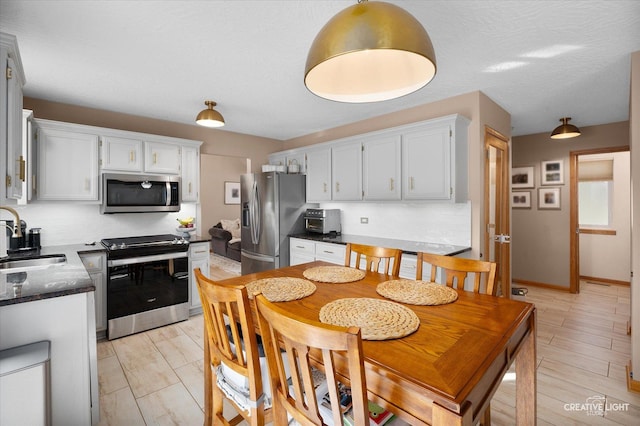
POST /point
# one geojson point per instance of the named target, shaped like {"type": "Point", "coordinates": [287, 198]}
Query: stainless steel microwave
{"type": "Point", "coordinates": [123, 193]}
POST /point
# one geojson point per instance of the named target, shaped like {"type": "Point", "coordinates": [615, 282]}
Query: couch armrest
{"type": "Point", "coordinates": [220, 233]}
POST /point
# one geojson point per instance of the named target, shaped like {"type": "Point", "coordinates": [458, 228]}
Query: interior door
{"type": "Point", "coordinates": [497, 208]}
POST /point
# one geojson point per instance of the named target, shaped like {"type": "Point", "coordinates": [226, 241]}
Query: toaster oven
{"type": "Point", "coordinates": [323, 221]}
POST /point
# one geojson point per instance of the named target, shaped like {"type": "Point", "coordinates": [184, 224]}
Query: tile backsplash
{"type": "Point", "coordinates": [68, 223]}
{"type": "Point", "coordinates": [443, 223]}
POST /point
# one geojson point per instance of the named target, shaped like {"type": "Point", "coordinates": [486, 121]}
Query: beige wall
{"type": "Point", "coordinates": [215, 141]}
{"type": "Point", "coordinates": [543, 235]}
{"type": "Point", "coordinates": [215, 170]}
{"type": "Point", "coordinates": [476, 106]}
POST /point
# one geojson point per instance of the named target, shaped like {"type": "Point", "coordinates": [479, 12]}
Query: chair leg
{"type": "Point", "coordinates": [485, 418]}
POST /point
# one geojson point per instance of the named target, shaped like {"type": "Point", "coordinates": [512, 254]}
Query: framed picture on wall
{"type": "Point", "coordinates": [522, 177]}
{"type": "Point", "coordinates": [549, 198]}
{"type": "Point", "coordinates": [552, 172]}
{"type": "Point", "coordinates": [232, 192]}
{"type": "Point", "coordinates": [521, 200]}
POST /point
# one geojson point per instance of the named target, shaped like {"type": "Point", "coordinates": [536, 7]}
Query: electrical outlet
{"type": "Point", "coordinates": [364, 220]}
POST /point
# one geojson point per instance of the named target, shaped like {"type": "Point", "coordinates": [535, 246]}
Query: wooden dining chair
{"type": "Point", "coordinates": [455, 270]}
{"type": "Point", "coordinates": [303, 340]}
{"type": "Point", "coordinates": [373, 256]}
{"type": "Point", "coordinates": [238, 373]}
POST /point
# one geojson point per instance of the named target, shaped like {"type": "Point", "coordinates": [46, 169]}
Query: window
{"type": "Point", "coordinates": [595, 192]}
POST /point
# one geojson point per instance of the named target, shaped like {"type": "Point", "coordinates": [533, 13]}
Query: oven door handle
{"type": "Point", "coordinates": [143, 259]}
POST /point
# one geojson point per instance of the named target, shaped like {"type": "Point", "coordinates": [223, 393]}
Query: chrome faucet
{"type": "Point", "coordinates": [17, 232]}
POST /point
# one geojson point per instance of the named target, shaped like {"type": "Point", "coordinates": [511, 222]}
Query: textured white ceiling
{"type": "Point", "coordinates": [162, 59]}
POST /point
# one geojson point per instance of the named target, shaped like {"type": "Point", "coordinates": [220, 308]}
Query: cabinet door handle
{"type": "Point", "coordinates": [411, 182]}
{"type": "Point", "coordinates": [155, 158]}
{"type": "Point", "coordinates": [391, 184]}
{"type": "Point", "coordinates": [324, 187]}
{"type": "Point", "coordinates": [132, 156]}
{"type": "Point", "coordinates": [189, 187]}
{"type": "Point", "coordinates": [327, 251]}
{"type": "Point", "coordinates": [300, 247]}
{"type": "Point", "coordinates": [337, 186]}
{"type": "Point", "coordinates": [87, 184]}
{"type": "Point", "coordinates": [22, 168]}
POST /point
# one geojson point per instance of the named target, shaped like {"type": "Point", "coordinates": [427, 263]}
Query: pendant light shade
{"type": "Point", "coordinates": [369, 52]}
{"type": "Point", "coordinates": [210, 117]}
{"type": "Point", "coordinates": [565, 130]}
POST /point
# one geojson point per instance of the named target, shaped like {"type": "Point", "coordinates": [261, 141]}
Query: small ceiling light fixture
{"type": "Point", "coordinates": [210, 117]}
{"type": "Point", "coordinates": [370, 52]}
{"type": "Point", "coordinates": [565, 130]}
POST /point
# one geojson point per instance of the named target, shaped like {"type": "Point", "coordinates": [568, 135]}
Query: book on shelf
{"type": "Point", "coordinates": [378, 416]}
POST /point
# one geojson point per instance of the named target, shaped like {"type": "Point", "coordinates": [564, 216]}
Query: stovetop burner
{"type": "Point", "coordinates": [144, 245]}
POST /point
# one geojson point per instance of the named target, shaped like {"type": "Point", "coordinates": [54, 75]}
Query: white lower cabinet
{"type": "Point", "coordinates": [198, 258]}
{"type": "Point", "coordinates": [333, 253]}
{"type": "Point", "coordinates": [408, 266]}
{"type": "Point", "coordinates": [303, 251]}
{"type": "Point", "coordinates": [96, 266]}
{"type": "Point", "coordinates": [68, 323]}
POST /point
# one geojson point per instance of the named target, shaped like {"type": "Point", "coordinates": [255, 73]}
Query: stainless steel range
{"type": "Point", "coordinates": [148, 283]}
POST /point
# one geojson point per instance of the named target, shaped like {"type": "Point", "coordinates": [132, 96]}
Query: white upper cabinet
{"type": "Point", "coordinates": [434, 160]}
{"type": "Point", "coordinates": [120, 154]}
{"type": "Point", "coordinates": [163, 158]}
{"type": "Point", "coordinates": [346, 172]}
{"type": "Point", "coordinates": [67, 163]}
{"type": "Point", "coordinates": [425, 161]}
{"type": "Point", "coordinates": [190, 173]}
{"type": "Point", "coordinates": [427, 164]}
{"type": "Point", "coordinates": [381, 160]}
{"type": "Point", "coordinates": [318, 163]}
{"type": "Point", "coordinates": [15, 162]}
{"type": "Point", "coordinates": [69, 167]}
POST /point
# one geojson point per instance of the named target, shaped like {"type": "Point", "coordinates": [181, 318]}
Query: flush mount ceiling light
{"type": "Point", "coordinates": [565, 130]}
{"type": "Point", "coordinates": [210, 117]}
{"type": "Point", "coordinates": [369, 52]}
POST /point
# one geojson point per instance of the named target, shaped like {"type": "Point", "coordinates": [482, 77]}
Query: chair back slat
{"type": "Point", "coordinates": [455, 270]}
{"type": "Point", "coordinates": [304, 340]}
{"type": "Point", "coordinates": [373, 256]}
{"type": "Point", "coordinates": [228, 306]}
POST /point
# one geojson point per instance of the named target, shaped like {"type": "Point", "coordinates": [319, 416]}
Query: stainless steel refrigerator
{"type": "Point", "coordinates": [273, 205]}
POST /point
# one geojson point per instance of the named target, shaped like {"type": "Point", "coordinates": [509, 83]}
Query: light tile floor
{"type": "Point", "coordinates": [156, 377]}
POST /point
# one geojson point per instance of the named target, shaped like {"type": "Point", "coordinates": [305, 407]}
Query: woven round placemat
{"type": "Point", "coordinates": [281, 289]}
{"type": "Point", "coordinates": [334, 274]}
{"type": "Point", "coordinates": [378, 319]}
{"type": "Point", "coordinates": [417, 292]}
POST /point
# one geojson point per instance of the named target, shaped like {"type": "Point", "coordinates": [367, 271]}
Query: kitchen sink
{"type": "Point", "coordinates": [26, 263]}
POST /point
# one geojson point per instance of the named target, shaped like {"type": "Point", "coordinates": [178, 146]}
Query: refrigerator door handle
{"type": "Point", "coordinates": [255, 214]}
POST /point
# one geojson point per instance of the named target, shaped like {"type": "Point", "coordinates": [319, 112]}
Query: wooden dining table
{"type": "Point", "coordinates": [447, 371]}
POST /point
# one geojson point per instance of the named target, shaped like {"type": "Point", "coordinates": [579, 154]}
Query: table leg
{"type": "Point", "coordinates": [526, 379]}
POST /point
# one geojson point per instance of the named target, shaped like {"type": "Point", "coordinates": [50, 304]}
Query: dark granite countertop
{"type": "Point", "coordinates": [71, 277]}
{"type": "Point", "coordinates": [43, 282]}
{"type": "Point", "coordinates": [408, 247]}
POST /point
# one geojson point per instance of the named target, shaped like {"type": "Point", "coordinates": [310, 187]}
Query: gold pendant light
{"type": "Point", "coordinates": [565, 130]}
{"type": "Point", "coordinates": [370, 52]}
{"type": "Point", "coordinates": [210, 117]}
